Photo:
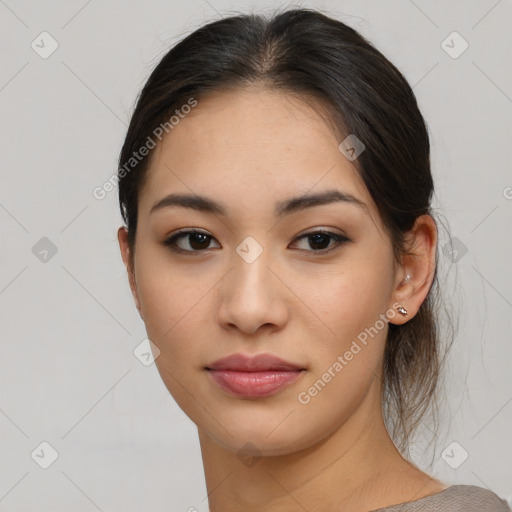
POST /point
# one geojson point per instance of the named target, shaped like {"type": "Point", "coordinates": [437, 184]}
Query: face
{"type": "Point", "coordinates": [307, 282]}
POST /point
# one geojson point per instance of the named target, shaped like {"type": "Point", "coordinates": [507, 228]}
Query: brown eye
{"type": "Point", "coordinates": [189, 241]}
{"type": "Point", "coordinates": [320, 241]}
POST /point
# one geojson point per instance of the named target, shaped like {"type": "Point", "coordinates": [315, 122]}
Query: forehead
{"type": "Point", "coordinates": [263, 144]}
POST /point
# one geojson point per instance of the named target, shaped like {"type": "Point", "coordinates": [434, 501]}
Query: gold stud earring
{"type": "Point", "coordinates": [402, 310]}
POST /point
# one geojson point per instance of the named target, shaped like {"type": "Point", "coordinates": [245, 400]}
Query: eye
{"type": "Point", "coordinates": [190, 240]}
{"type": "Point", "coordinates": [194, 241]}
{"type": "Point", "coordinates": [320, 241]}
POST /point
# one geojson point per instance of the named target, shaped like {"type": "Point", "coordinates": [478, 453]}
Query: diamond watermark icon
{"type": "Point", "coordinates": [44, 250]}
{"type": "Point", "coordinates": [454, 45]}
{"type": "Point", "coordinates": [351, 147]}
{"type": "Point", "coordinates": [44, 455]}
{"type": "Point", "coordinates": [249, 454]}
{"type": "Point", "coordinates": [146, 352]}
{"type": "Point", "coordinates": [455, 249]}
{"type": "Point", "coordinates": [44, 45]}
{"type": "Point", "coordinates": [249, 250]}
{"type": "Point", "coordinates": [454, 455]}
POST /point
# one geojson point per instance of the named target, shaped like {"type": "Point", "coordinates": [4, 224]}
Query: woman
{"type": "Point", "coordinates": [275, 184]}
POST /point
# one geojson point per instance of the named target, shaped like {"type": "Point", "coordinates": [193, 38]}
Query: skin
{"type": "Point", "coordinates": [249, 149]}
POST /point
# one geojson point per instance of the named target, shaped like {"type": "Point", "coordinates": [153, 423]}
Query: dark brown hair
{"type": "Point", "coordinates": [306, 53]}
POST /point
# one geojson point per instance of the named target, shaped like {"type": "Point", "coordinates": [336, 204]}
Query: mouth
{"type": "Point", "coordinates": [253, 376]}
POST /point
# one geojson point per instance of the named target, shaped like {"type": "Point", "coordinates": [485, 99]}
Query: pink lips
{"type": "Point", "coordinates": [253, 377]}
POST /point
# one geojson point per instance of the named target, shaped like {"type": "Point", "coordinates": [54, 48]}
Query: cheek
{"type": "Point", "coordinates": [168, 292]}
{"type": "Point", "coordinates": [348, 357]}
{"type": "Point", "coordinates": [174, 313]}
{"type": "Point", "coordinates": [351, 304]}
{"type": "Point", "coordinates": [175, 309]}
{"type": "Point", "coordinates": [352, 299]}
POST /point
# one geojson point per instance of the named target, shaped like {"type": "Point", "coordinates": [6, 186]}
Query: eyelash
{"type": "Point", "coordinates": [171, 241]}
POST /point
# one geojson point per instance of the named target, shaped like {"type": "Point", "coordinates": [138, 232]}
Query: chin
{"type": "Point", "coordinates": [263, 439]}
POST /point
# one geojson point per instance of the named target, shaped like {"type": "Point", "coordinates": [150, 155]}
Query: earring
{"type": "Point", "coordinates": [406, 278]}
{"type": "Point", "coordinates": [402, 310]}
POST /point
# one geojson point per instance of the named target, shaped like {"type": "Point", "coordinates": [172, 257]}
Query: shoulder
{"type": "Point", "coordinates": [457, 498]}
{"type": "Point", "coordinates": [472, 498]}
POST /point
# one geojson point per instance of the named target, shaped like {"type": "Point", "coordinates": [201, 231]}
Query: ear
{"type": "Point", "coordinates": [416, 273]}
{"type": "Point", "coordinates": [122, 236]}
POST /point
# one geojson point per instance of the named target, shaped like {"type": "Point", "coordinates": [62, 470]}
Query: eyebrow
{"type": "Point", "coordinates": [283, 208]}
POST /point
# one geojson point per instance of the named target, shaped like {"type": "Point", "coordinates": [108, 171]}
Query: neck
{"type": "Point", "coordinates": [356, 467]}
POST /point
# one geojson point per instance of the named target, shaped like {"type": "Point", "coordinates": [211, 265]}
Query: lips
{"type": "Point", "coordinates": [260, 362]}
{"type": "Point", "coordinates": [253, 376]}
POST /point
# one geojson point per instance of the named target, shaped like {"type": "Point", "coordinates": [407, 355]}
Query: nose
{"type": "Point", "coordinates": [253, 296]}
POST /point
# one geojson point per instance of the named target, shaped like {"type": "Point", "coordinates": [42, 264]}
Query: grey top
{"type": "Point", "coordinates": [457, 498]}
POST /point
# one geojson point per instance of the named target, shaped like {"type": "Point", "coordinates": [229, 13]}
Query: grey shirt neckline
{"type": "Point", "coordinates": [451, 492]}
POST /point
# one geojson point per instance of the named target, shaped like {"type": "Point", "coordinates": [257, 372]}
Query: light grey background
{"type": "Point", "coordinates": [68, 374]}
